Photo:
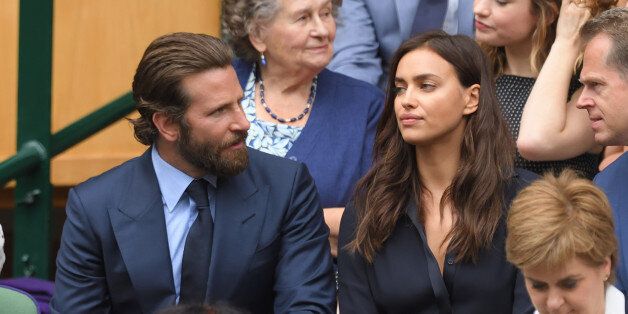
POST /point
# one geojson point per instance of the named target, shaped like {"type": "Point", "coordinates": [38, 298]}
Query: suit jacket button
{"type": "Point", "coordinates": [450, 260]}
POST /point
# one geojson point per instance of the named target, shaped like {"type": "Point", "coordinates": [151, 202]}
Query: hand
{"type": "Point", "coordinates": [573, 14]}
{"type": "Point", "coordinates": [332, 219]}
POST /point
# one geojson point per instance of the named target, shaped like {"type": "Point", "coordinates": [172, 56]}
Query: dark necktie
{"type": "Point", "coordinates": [198, 247]}
{"type": "Point", "coordinates": [430, 15]}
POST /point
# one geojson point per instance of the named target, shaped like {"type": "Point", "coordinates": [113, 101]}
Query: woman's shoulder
{"type": "Point", "coordinates": [524, 177]}
{"type": "Point", "coordinates": [350, 212]}
{"type": "Point", "coordinates": [350, 85]}
{"type": "Point", "coordinates": [615, 300]}
{"type": "Point", "coordinates": [238, 63]}
{"type": "Point", "coordinates": [242, 68]}
{"type": "Point", "coordinates": [520, 179]}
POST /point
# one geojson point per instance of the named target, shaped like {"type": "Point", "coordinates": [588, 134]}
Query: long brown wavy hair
{"type": "Point", "coordinates": [486, 161]}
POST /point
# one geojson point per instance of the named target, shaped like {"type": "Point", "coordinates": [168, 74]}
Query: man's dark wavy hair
{"type": "Point", "coordinates": [157, 82]}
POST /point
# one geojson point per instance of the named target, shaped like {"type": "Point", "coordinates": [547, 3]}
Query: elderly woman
{"type": "Point", "coordinates": [297, 108]}
{"type": "Point", "coordinates": [560, 234]}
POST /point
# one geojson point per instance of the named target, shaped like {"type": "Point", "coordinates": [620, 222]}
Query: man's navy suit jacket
{"type": "Point", "coordinates": [614, 182]}
{"type": "Point", "coordinates": [270, 249]}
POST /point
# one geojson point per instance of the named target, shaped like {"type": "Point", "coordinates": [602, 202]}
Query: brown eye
{"type": "Point", "coordinates": [427, 86]}
{"type": "Point", "coordinates": [569, 284]}
{"type": "Point", "coordinates": [397, 90]}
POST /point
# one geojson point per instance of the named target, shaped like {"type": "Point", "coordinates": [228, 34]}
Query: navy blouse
{"type": "Point", "coordinates": [404, 276]}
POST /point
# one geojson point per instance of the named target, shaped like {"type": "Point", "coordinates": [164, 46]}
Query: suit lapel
{"type": "Point", "coordinates": [240, 211]}
{"type": "Point", "coordinates": [140, 230]}
{"type": "Point", "coordinates": [406, 10]}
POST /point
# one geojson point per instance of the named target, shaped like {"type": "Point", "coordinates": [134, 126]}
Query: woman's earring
{"type": "Point", "coordinates": [263, 59]}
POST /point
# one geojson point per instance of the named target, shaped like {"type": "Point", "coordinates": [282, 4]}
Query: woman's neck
{"type": "Point", "coordinates": [285, 81]}
{"type": "Point", "coordinates": [438, 163]}
{"type": "Point", "coordinates": [518, 60]}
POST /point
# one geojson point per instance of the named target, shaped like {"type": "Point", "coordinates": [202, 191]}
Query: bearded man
{"type": "Point", "coordinates": [197, 218]}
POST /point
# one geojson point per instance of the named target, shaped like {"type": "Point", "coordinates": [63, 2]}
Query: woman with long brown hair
{"type": "Point", "coordinates": [425, 230]}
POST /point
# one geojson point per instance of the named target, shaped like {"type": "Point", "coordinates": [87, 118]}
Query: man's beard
{"type": "Point", "coordinates": [210, 157]}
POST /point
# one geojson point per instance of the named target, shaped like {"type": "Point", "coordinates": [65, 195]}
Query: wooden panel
{"type": "Point", "coordinates": [8, 76]}
{"type": "Point", "coordinates": [97, 45]}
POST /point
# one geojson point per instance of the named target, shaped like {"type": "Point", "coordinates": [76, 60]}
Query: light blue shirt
{"type": "Point", "coordinates": [459, 18]}
{"type": "Point", "coordinates": [179, 209]}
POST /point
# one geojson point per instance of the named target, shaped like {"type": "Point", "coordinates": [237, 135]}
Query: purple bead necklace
{"type": "Point", "coordinates": [310, 100]}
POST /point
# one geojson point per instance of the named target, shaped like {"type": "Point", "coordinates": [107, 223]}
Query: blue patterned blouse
{"type": "Point", "coordinates": [271, 138]}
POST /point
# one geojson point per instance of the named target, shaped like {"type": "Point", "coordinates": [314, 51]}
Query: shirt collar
{"type": "Point", "coordinates": [172, 181]}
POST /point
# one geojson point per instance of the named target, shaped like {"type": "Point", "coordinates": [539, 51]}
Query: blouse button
{"type": "Point", "coordinates": [450, 260]}
{"type": "Point", "coordinates": [293, 158]}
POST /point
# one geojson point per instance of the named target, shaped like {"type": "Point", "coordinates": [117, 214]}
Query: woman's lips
{"type": "Point", "coordinates": [322, 48]}
{"type": "Point", "coordinates": [481, 26]}
{"type": "Point", "coordinates": [409, 119]}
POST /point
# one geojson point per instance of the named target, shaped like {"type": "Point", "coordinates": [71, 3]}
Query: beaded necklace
{"type": "Point", "coordinates": [273, 115]}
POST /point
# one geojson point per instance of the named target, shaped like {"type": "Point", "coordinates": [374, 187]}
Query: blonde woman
{"type": "Point", "coordinates": [560, 234]}
{"type": "Point", "coordinates": [533, 46]}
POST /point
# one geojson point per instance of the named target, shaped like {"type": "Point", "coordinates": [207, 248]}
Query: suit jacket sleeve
{"type": "Point", "coordinates": [80, 285]}
{"type": "Point", "coordinates": [354, 294]}
{"type": "Point", "coordinates": [356, 47]}
{"type": "Point", "coordinates": [304, 278]}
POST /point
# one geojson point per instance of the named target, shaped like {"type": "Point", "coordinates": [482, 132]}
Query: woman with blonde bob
{"type": "Point", "coordinates": [560, 234]}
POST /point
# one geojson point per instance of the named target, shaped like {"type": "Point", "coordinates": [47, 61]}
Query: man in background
{"type": "Point", "coordinates": [605, 96]}
{"type": "Point", "coordinates": [370, 31]}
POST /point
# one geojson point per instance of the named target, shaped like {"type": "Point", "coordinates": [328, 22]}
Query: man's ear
{"type": "Point", "coordinates": [472, 99]}
{"type": "Point", "coordinates": [168, 129]}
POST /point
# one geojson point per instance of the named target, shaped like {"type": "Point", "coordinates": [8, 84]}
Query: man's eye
{"type": "Point", "coordinates": [218, 111]}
